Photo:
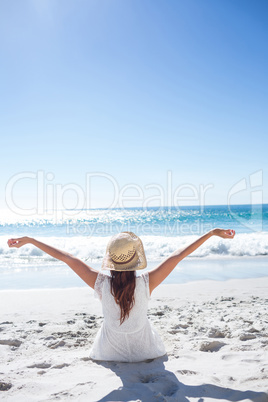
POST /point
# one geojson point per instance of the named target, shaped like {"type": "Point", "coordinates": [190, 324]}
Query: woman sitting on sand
{"type": "Point", "coordinates": [126, 334]}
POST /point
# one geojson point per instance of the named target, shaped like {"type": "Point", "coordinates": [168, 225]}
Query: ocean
{"type": "Point", "coordinates": [85, 233]}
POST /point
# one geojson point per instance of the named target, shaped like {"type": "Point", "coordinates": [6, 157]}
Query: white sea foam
{"type": "Point", "coordinates": [156, 248]}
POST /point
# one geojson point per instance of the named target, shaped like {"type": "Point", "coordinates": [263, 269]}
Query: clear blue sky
{"type": "Point", "coordinates": [134, 89]}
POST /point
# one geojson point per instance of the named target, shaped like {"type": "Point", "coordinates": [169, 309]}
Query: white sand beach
{"type": "Point", "coordinates": [216, 336]}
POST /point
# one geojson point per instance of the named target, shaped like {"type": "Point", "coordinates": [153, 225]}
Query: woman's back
{"type": "Point", "coordinates": [134, 339]}
{"type": "Point", "coordinates": [111, 310]}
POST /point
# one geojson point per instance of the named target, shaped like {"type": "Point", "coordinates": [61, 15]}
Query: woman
{"type": "Point", "coordinates": [126, 334]}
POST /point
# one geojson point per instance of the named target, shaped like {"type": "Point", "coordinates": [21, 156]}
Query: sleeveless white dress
{"type": "Point", "coordinates": [135, 340]}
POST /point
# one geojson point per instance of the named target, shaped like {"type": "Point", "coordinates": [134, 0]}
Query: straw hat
{"type": "Point", "coordinates": [124, 253]}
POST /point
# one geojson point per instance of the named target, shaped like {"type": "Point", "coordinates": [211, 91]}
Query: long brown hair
{"type": "Point", "coordinates": [122, 288]}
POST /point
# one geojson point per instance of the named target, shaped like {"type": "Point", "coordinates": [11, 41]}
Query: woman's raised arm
{"type": "Point", "coordinates": [88, 274]}
{"type": "Point", "coordinates": [157, 275]}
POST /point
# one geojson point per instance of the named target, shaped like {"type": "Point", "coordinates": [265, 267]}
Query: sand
{"type": "Point", "coordinates": [216, 336]}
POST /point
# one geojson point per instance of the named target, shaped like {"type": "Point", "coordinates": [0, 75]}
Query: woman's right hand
{"type": "Point", "coordinates": [20, 241]}
{"type": "Point", "coordinates": [225, 234]}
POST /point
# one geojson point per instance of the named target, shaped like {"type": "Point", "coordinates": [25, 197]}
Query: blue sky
{"type": "Point", "coordinates": [134, 89]}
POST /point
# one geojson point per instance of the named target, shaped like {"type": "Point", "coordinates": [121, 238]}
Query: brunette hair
{"type": "Point", "coordinates": [122, 288]}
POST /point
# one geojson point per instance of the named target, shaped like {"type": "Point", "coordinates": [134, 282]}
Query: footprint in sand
{"type": "Point", "coordinates": [49, 338]}
{"type": "Point", "coordinates": [11, 342]}
{"type": "Point", "coordinates": [60, 366]}
{"type": "Point", "coordinates": [40, 365]}
{"type": "Point", "coordinates": [149, 378]}
{"type": "Point", "coordinates": [211, 346]}
{"type": "Point", "coordinates": [5, 386]}
{"type": "Point", "coordinates": [215, 333]}
{"type": "Point", "coordinates": [71, 322]}
{"type": "Point", "coordinates": [160, 384]}
{"type": "Point", "coordinates": [247, 337]}
{"type": "Point", "coordinates": [186, 372]}
{"type": "Point", "coordinates": [85, 359]}
{"type": "Point", "coordinates": [62, 395]}
{"type": "Point", "coordinates": [55, 345]}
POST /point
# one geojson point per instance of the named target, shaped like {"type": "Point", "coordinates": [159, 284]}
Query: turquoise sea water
{"type": "Point", "coordinates": [85, 233]}
{"type": "Point", "coordinates": [150, 221]}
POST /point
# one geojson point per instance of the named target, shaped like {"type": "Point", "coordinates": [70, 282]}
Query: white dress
{"type": "Point", "coordinates": [133, 341]}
